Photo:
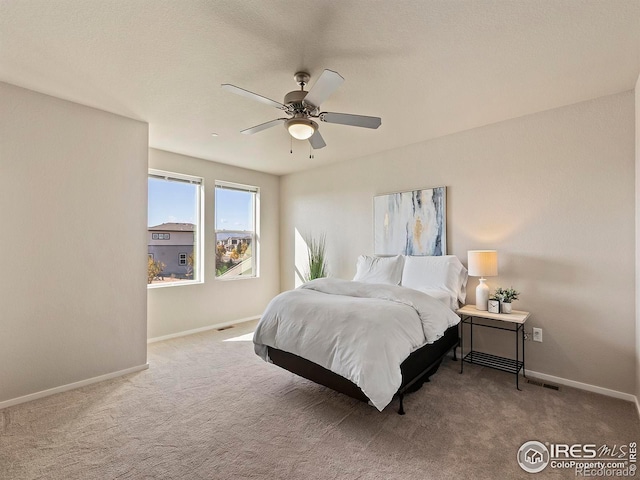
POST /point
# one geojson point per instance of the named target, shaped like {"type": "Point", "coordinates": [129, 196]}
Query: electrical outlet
{"type": "Point", "coordinates": [537, 334]}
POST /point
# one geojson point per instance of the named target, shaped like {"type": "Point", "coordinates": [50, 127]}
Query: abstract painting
{"type": "Point", "coordinates": [411, 223]}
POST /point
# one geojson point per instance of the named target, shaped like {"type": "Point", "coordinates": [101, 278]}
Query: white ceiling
{"type": "Point", "coordinates": [428, 68]}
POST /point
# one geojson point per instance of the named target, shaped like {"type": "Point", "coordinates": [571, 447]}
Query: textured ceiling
{"type": "Point", "coordinates": [428, 68]}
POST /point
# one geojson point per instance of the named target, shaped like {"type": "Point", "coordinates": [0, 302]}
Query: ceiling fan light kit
{"type": "Point", "coordinates": [301, 128]}
{"type": "Point", "coordinates": [302, 106]}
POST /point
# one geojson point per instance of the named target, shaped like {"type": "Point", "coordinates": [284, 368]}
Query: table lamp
{"type": "Point", "coordinates": [482, 263]}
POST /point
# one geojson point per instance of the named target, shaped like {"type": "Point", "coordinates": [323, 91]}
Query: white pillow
{"type": "Point", "coordinates": [379, 269]}
{"type": "Point", "coordinates": [441, 272]}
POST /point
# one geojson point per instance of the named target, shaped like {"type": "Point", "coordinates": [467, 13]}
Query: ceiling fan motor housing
{"type": "Point", "coordinates": [295, 99]}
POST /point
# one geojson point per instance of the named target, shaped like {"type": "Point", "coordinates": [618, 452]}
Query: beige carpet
{"type": "Point", "coordinates": [211, 409]}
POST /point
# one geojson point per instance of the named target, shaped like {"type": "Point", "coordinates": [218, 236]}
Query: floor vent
{"type": "Point", "coordinates": [538, 383]}
{"type": "Point", "coordinates": [225, 328]}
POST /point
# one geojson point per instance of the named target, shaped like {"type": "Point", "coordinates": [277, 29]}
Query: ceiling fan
{"type": "Point", "coordinates": [302, 106]}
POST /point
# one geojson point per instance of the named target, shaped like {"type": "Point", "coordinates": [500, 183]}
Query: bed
{"type": "Point", "coordinates": [377, 337]}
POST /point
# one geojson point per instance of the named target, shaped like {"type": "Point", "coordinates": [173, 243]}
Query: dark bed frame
{"type": "Point", "coordinates": [416, 369]}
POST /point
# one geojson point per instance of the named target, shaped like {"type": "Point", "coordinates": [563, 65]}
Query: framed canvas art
{"type": "Point", "coordinates": [411, 223]}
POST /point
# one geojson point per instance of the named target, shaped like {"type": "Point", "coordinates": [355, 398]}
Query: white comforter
{"type": "Point", "coordinates": [358, 330]}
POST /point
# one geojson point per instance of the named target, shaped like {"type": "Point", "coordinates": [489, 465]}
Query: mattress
{"type": "Point", "coordinates": [360, 331]}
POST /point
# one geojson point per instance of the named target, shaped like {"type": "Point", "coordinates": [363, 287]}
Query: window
{"type": "Point", "coordinates": [174, 229]}
{"type": "Point", "coordinates": [237, 220]}
{"type": "Point", "coordinates": [160, 236]}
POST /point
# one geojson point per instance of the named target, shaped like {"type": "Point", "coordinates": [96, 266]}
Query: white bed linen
{"type": "Point", "coordinates": [358, 330]}
{"type": "Point", "coordinates": [449, 299]}
{"type": "Point", "coordinates": [440, 272]}
{"type": "Point", "coordinates": [379, 269]}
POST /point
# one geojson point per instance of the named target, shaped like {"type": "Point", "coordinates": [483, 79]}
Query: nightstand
{"type": "Point", "coordinates": [513, 322]}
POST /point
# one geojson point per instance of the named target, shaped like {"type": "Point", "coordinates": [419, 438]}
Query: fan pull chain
{"type": "Point", "coordinates": [291, 147]}
{"type": "Point", "coordinates": [310, 154]}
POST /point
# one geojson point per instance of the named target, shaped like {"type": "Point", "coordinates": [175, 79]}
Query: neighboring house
{"type": "Point", "coordinates": [232, 242]}
{"type": "Point", "coordinates": [171, 244]}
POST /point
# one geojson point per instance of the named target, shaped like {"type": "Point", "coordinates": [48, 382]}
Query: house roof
{"type": "Point", "coordinates": [429, 68]}
{"type": "Point", "coordinates": [172, 227]}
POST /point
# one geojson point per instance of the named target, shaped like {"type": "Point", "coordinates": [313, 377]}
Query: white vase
{"type": "Point", "coordinates": [505, 308]}
{"type": "Point", "coordinates": [482, 295]}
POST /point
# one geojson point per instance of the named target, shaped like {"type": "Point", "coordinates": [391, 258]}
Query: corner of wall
{"type": "Point", "coordinates": [637, 239]}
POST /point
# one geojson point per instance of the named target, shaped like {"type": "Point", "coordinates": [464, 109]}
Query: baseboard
{"type": "Point", "coordinates": [71, 386]}
{"type": "Point", "coordinates": [584, 386]}
{"type": "Point", "coordinates": [184, 333]}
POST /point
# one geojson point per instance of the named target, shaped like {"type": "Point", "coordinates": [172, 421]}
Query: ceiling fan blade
{"type": "Point", "coordinates": [326, 84]}
{"type": "Point", "coordinates": [253, 96]}
{"type": "Point", "coordinates": [263, 126]}
{"type": "Point", "coordinates": [353, 120]}
{"type": "Point", "coordinates": [316, 141]}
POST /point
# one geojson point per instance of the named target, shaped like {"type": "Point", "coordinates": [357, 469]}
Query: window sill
{"type": "Point", "coordinates": [236, 278]}
{"type": "Point", "coordinates": [153, 286]}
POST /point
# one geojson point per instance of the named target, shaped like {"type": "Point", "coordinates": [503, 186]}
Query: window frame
{"type": "Point", "coordinates": [198, 248]}
{"type": "Point", "coordinates": [255, 234]}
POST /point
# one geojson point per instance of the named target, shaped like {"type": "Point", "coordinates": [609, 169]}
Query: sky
{"type": "Point", "coordinates": [176, 202]}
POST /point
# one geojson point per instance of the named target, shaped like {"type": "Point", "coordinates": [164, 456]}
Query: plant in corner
{"type": "Point", "coordinates": [317, 257]}
{"type": "Point", "coordinates": [505, 296]}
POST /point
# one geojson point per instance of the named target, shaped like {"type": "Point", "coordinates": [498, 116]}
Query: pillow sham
{"type": "Point", "coordinates": [379, 269]}
{"type": "Point", "coordinates": [439, 272]}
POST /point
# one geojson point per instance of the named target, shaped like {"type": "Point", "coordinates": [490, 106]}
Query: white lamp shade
{"type": "Point", "coordinates": [483, 263]}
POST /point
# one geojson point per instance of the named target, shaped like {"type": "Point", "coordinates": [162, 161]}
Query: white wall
{"type": "Point", "coordinates": [72, 237]}
{"type": "Point", "coordinates": [552, 192]}
{"type": "Point", "coordinates": [174, 309]}
{"type": "Point", "coordinates": [637, 177]}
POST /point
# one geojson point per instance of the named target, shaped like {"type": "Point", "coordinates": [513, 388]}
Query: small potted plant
{"type": "Point", "coordinates": [505, 296]}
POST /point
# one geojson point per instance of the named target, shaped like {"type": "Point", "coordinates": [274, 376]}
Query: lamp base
{"type": "Point", "coordinates": [482, 295]}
